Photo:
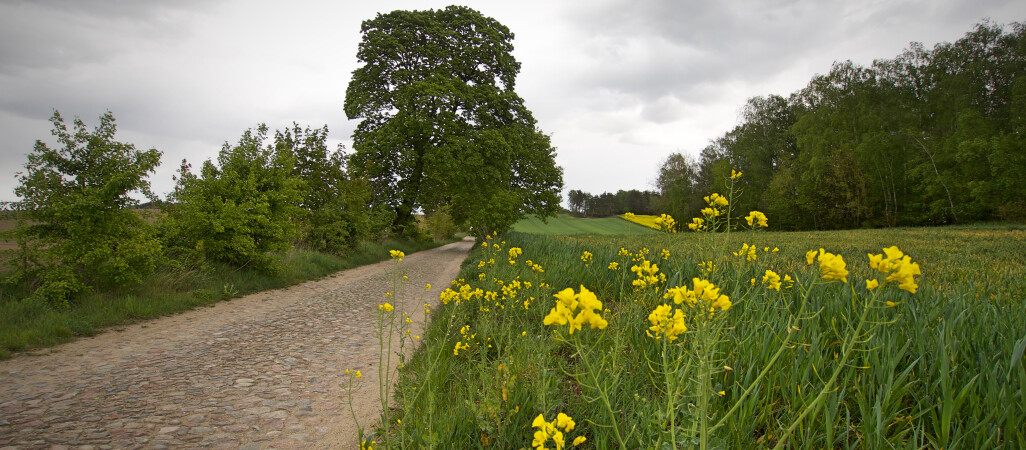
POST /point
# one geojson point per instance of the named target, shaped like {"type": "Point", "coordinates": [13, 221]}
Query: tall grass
{"type": "Point", "coordinates": [820, 364]}
{"type": "Point", "coordinates": [27, 324]}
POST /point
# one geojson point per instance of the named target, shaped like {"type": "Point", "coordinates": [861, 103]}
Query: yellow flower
{"type": "Point", "coordinates": [663, 324]}
{"type": "Point", "coordinates": [771, 280]}
{"type": "Point", "coordinates": [579, 440]}
{"type": "Point", "coordinates": [810, 256]}
{"type": "Point", "coordinates": [665, 254]}
{"type": "Point", "coordinates": [734, 175]}
{"type": "Point", "coordinates": [614, 266]}
{"type": "Point", "coordinates": [396, 254]}
{"type": "Point", "coordinates": [565, 422]}
{"type": "Point", "coordinates": [716, 200]}
{"type": "Point", "coordinates": [872, 284]}
{"type": "Point", "coordinates": [756, 218]}
{"type": "Point", "coordinates": [514, 252]}
{"type": "Point", "coordinates": [584, 304]}
{"type": "Point", "coordinates": [386, 307]}
{"type": "Point", "coordinates": [427, 287]}
{"type": "Point", "coordinates": [832, 266]}
{"type": "Point", "coordinates": [748, 251]}
{"type": "Point", "coordinates": [898, 266]}
{"type": "Point", "coordinates": [697, 224]}
{"type": "Point", "coordinates": [586, 257]}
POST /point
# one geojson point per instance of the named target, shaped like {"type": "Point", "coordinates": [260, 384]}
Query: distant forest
{"type": "Point", "coordinates": [930, 137]}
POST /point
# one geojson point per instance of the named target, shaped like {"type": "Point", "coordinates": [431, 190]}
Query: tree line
{"type": "Point", "coordinates": [583, 204]}
{"type": "Point", "coordinates": [931, 137]}
{"type": "Point", "coordinates": [442, 133]}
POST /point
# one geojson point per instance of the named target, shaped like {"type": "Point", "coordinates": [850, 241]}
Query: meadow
{"type": "Point", "coordinates": [566, 225]}
{"type": "Point", "coordinates": [685, 340]}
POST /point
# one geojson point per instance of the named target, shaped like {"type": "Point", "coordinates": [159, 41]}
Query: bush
{"type": "Point", "coordinates": [240, 210]}
{"type": "Point", "coordinates": [77, 228]}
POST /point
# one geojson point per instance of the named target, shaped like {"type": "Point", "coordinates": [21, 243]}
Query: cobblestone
{"type": "Point", "coordinates": [262, 371]}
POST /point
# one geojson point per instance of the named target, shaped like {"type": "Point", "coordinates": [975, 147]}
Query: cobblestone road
{"type": "Point", "coordinates": [261, 371]}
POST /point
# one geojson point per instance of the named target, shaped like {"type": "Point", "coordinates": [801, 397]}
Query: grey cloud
{"type": "Point", "coordinates": [68, 33]}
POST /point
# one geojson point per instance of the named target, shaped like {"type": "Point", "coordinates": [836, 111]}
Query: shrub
{"type": "Point", "coordinates": [77, 227]}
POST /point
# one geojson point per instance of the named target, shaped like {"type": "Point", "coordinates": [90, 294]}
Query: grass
{"type": "Point", "coordinates": [28, 325]}
{"type": "Point", "coordinates": [567, 225]}
{"type": "Point", "coordinates": [820, 364]}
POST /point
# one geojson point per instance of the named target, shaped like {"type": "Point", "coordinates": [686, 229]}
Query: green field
{"type": "Point", "coordinates": [820, 364]}
{"type": "Point", "coordinates": [567, 226]}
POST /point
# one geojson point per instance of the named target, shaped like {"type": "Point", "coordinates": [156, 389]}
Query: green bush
{"type": "Point", "coordinates": [77, 228]}
{"type": "Point", "coordinates": [240, 210]}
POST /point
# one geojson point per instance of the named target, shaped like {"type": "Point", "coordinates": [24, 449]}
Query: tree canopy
{"type": "Point", "coordinates": [442, 126]}
{"type": "Point", "coordinates": [930, 137]}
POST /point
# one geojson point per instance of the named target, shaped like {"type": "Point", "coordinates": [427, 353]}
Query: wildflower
{"type": "Point", "coordinates": [898, 267]}
{"type": "Point", "coordinates": [460, 346]}
{"type": "Point", "coordinates": [647, 274]}
{"type": "Point", "coordinates": [872, 284]}
{"type": "Point", "coordinates": [703, 291]}
{"type": "Point", "coordinates": [386, 307]}
{"type": "Point", "coordinates": [515, 252]}
{"type": "Point", "coordinates": [397, 254]}
{"type": "Point", "coordinates": [586, 257]}
{"type": "Point", "coordinates": [771, 280]}
{"type": "Point", "coordinates": [666, 223]}
{"type": "Point", "coordinates": [748, 251]}
{"type": "Point", "coordinates": [427, 287]}
{"type": "Point", "coordinates": [810, 256]}
{"type": "Point", "coordinates": [614, 266]}
{"type": "Point", "coordinates": [716, 200]}
{"type": "Point", "coordinates": [788, 281]}
{"type": "Point", "coordinates": [584, 304]}
{"type": "Point", "coordinates": [697, 224]}
{"type": "Point", "coordinates": [756, 218]}
{"type": "Point", "coordinates": [665, 254]}
{"type": "Point", "coordinates": [548, 430]}
{"type": "Point", "coordinates": [357, 375]}
{"type": "Point", "coordinates": [710, 212]}
{"type": "Point", "coordinates": [832, 266]}
{"type": "Point", "coordinates": [579, 440]}
{"type": "Point", "coordinates": [663, 324]}
{"type": "Point", "coordinates": [734, 175]}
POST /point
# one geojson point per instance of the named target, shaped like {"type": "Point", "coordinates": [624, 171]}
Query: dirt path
{"type": "Point", "coordinates": [261, 371]}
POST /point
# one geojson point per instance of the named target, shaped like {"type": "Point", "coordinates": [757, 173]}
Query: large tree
{"type": "Point", "coordinates": [442, 125]}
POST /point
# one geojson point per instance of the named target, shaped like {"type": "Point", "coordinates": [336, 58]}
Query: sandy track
{"type": "Point", "coordinates": [261, 371]}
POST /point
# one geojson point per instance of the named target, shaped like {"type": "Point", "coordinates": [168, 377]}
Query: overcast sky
{"type": "Point", "coordinates": [619, 84]}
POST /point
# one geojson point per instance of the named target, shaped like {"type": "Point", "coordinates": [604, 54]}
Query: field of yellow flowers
{"type": "Point", "coordinates": [906, 338]}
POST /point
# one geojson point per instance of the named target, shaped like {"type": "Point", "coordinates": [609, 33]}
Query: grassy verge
{"type": "Point", "coordinates": [822, 363]}
{"type": "Point", "coordinates": [567, 225]}
{"type": "Point", "coordinates": [27, 325]}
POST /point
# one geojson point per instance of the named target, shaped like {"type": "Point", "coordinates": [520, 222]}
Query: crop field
{"type": "Point", "coordinates": [721, 340]}
{"type": "Point", "coordinates": [567, 225]}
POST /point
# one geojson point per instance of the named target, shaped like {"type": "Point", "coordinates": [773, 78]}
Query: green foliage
{"type": "Point", "coordinates": [337, 203]}
{"type": "Point", "coordinates": [933, 136]}
{"type": "Point", "coordinates": [440, 225]}
{"type": "Point", "coordinates": [567, 225]}
{"type": "Point", "coordinates": [28, 323]}
{"type": "Point", "coordinates": [939, 368]}
{"type": "Point", "coordinates": [240, 210]}
{"type": "Point", "coordinates": [442, 125]}
{"type": "Point", "coordinates": [77, 227]}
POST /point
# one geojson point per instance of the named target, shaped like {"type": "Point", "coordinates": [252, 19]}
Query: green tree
{"type": "Point", "coordinates": [338, 217]}
{"type": "Point", "coordinates": [442, 125]}
{"type": "Point", "coordinates": [677, 179]}
{"type": "Point", "coordinates": [77, 224]}
{"type": "Point", "coordinates": [241, 209]}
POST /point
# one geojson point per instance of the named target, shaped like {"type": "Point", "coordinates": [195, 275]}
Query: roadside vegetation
{"type": "Point", "coordinates": [724, 337]}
